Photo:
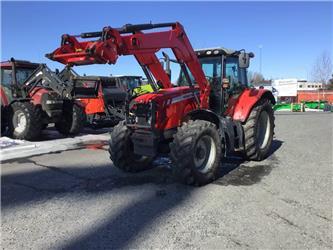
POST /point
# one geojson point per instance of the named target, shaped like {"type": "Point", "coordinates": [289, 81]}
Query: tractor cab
{"type": "Point", "coordinates": [226, 71]}
{"type": "Point", "coordinates": [13, 74]}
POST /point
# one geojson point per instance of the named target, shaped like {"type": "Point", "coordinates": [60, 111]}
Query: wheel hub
{"type": "Point", "coordinates": [263, 129]}
{"type": "Point", "coordinates": [204, 153]}
{"type": "Point", "coordinates": [19, 121]}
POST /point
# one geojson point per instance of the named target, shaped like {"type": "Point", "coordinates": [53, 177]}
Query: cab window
{"type": "Point", "coordinates": [22, 75]}
{"type": "Point", "coordinates": [212, 69]}
{"type": "Point", "coordinates": [232, 71]}
{"type": "Point", "coordinates": [237, 76]}
{"type": "Point", "coordinates": [6, 77]}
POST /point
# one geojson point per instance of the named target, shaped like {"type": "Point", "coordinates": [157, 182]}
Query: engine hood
{"type": "Point", "coordinates": [164, 94]}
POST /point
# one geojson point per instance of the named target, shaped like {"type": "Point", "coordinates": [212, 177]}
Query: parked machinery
{"type": "Point", "coordinates": [32, 96]}
{"type": "Point", "coordinates": [108, 109]}
{"type": "Point", "coordinates": [212, 112]}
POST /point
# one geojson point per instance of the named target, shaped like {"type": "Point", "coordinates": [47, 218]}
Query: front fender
{"type": "Point", "coordinates": [239, 107]}
{"type": "Point", "coordinates": [203, 114]}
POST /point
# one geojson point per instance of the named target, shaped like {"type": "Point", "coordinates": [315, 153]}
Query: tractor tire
{"type": "Point", "coordinates": [121, 151]}
{"type": "Point", "coordinates": [25, 121]}
{"type": "Point", "coordinates": [4, 120]}
{"type": "Point", "coordinates": [259, 131]}
{"type": "Point", "coordinates": [73, 120]}
{"type": "Point", "coordinates": [196, 152]}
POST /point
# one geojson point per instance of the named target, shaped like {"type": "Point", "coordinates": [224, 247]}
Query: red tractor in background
{"type": "Point", "coordinates": [32, 96]}
{"type": "Point", "coordinates": [212, 112]}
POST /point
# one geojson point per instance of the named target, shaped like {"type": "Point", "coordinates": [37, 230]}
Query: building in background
{"type": "Point", "coordinates": [287, 89]}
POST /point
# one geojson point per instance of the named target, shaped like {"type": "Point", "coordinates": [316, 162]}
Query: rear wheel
{"type": "Point", "coordinates": [196, 152]}
{"type": "Point", "coordinates": [258, 131]}
{"type": "Point", "coordinates": [73, 119]}
{"type": "Point", "coordinates": [122, 154]}
{"type": "Point", "coordinates": [25, 121]}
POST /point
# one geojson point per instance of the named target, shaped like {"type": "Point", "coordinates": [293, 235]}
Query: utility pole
{"type": "Point", "coordinates": [260, 58]}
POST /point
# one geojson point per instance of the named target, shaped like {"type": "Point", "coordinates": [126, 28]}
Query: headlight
{"type": "Point", "coordinates": [143, 113]}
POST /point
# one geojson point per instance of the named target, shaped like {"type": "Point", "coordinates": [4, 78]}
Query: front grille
{"type": "Point", "coordinates": [142, 114]}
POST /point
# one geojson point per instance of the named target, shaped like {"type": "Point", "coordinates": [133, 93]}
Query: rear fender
{"type": "Point", "coordinates": [239, 108]}
{"type": "Point", "coordinates": [230, 131]}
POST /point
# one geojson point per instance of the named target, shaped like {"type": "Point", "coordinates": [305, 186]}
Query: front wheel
{"type": "Point", "coordinates": [258, 131]}
{"type": "Point", "coordinates": [25, 121]}
{"type": "Point", "coordinates": [196, 152]}
{"type": "Point", "coordinates": [73, 119]}
{"type": "Point", "coordinates": [122, 152]}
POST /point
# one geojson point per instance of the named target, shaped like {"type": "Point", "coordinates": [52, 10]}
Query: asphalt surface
{"type": "Point", "coordinates": [76, 200]}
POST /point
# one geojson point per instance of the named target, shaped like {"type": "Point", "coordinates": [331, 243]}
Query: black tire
{"type": "Point", "coordinates": [190, 147]}
{"type": "Point", "coordinates": [258, 137]}
{"type": "Point", "coordinates": [73, 119]}
{"type": "Point", "coordinates": [25, 121]}
{"type": "Point", "coordinates": [121, 151]}
{"type": "Point", "coordinates": [44, 126]}
{"type": "Point", "coordinates": [4, 120]}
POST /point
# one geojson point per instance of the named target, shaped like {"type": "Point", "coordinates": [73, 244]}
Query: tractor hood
{"type": "Point", "coordinates": [162, 95]}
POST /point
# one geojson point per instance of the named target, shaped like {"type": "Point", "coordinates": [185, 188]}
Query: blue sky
{"type": "Point", "coordinates": [292, 34]}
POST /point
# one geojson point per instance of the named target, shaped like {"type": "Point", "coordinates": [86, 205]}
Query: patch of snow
{"type": "Point", "coordinates": [6, 142]}
{"type": "Point", "coordinates": [19, 149]}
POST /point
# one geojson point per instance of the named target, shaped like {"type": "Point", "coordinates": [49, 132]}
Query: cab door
{"type": "Point", "coordinates": [6, 81]}
{"type": "Point", "coordinates": [236, 76]}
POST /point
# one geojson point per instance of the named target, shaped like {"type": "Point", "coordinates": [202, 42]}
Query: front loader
{"type": "Point", "coordinates": [32, 96]}
{"type": "Point", "coordinates": [210, 114]}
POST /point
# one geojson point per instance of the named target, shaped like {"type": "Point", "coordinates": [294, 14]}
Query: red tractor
{"type": "Point", "coordinates": [211, 113]}
{"type": "Point", "coordinates": [32, 96]}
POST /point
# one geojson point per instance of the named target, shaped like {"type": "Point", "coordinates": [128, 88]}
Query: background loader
{"type": "Point", "coordinates": [32, 96]}
{"type": "Point", "coordinates": [211, 113]}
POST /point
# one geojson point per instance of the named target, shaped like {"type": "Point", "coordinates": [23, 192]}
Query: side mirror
{"type": "Point", "coordinates": [225, 83]}
{"type": "Point", "coordinates": [243, 60]}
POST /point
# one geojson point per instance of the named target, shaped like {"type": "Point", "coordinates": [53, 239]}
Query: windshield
{"type": "Point", "coordinates": [21, 75]}
{"type": "Point", "coordinates": [132, 82]}
{"type": "Point", "coordinates": [212, 69]}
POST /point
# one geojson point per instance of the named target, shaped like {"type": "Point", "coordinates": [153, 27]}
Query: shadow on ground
{"type": "Point", "coordinates": [118, 231]}
{"type": "Point", "coordinates": [51, 133]}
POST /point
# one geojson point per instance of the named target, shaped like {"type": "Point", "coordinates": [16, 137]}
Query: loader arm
{"type": "Point", "coordinates": [45, 77]}
{"type": "Point", "coordinates": [114, 42]}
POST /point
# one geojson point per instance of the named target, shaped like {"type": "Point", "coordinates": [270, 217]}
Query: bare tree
{"type": "Point", "coordinates": [322, 69]}
{"type": "Point", "coordinates": [256, 78]}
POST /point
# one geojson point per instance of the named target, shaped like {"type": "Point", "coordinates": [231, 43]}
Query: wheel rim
{"type": "Point", "coordinates": [20, 122]}
{"type": "Point", "coordinates": [263, 128]}
{"type": "Point", "coordinates": [204, 153]}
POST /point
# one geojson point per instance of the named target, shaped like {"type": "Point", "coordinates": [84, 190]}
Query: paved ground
{"type": "Point", "coordinates": [76, 200]}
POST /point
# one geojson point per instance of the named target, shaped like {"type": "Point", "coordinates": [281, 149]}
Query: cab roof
{"type": "Point", "coordinates": [19, 64]}
{"type": "Point", "coordinates": [215, 50]}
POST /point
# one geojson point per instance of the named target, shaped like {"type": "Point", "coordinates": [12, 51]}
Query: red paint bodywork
{"type": "Point", "coordinates": [36, 95]}
{"type": "Point", "coordinates": [4, 99]}
{"type": "Point", "coordinates": [94, 105]}
{"type": "Point", "coordinates": [169, 110]}
{"type": "Point", "coordinates": [239, 106]}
